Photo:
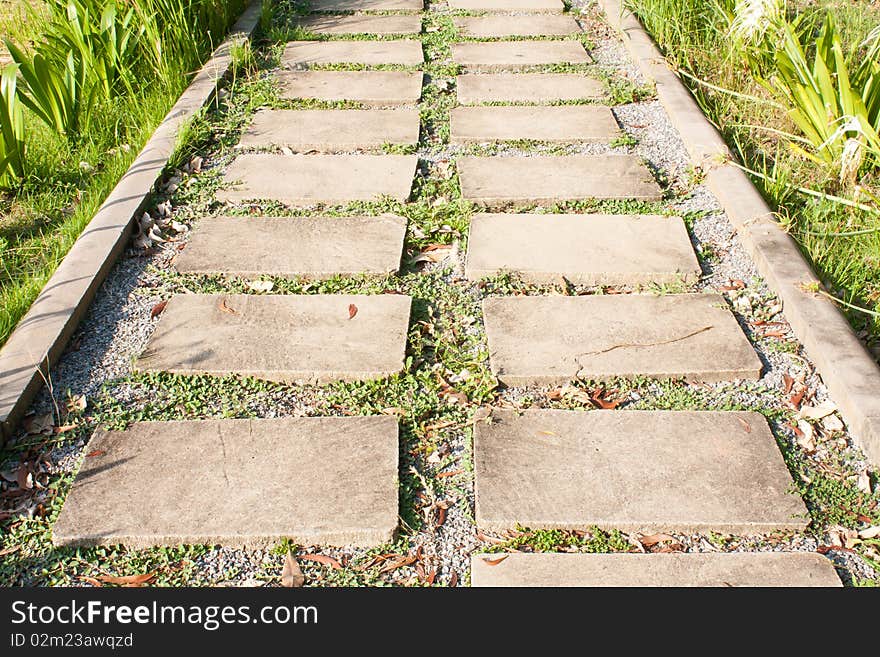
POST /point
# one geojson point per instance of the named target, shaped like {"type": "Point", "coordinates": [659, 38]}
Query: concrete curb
{"type": "Point", "coordinates": [42, 334]}
{"type": "Point", "coordinates": [848, 370]}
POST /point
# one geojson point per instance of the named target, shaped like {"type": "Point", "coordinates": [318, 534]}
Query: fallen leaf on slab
{"type": "Point", "coordinates": [352, 310]}
{"type": "Point", "coordinates": [261, 286]}
{"type": "Point", "coordinates": [323, 559]}
{"type": "Point", "coordinates": [95, 452]}
{"type": "Point", "coordinates": [223, 306]}
{"type": "Point", "coordinates": [291, 575]}
{"type": "Point", "coordinates": [127, 580]}
{"type": "Point", "coordinates": [746, 426]}
{"type": "Point", "coordinates": [495, 562]}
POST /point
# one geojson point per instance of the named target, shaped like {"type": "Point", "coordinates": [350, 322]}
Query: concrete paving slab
{"type": "Point", "coordinates": [504, 55]}
{"type": "Point", "coordinates": [647, 471]}
{"type": "Point", "coordinates": [296, 338]}
{"type": "Point", "coordinates": [320, 480]}
{"type": "Point", "coordinates": [367, 5]}
{"type": "Point", "coordinates": [504, 26]}
{"type": "Point", "coordinates": [550, 179]}
{"type": "Point", "coordinates": [314, 179]}
{"type": "Point", "coordinates": [526, 88]}
{"type": "Point", "coordinates": [524, 6]}
{"type": "Point", "coordinates": [691, 569]}
{"type": "Point", "coordinates": [332, 130]}
{"type": "Point", "coordinates": [313, 247]}
{"type": "Point", "coordinates": [551, 340]}
{"type": "Point", "coordinates": [559, 123]}
{"type": "Point", "coordinates": [585, 249]}
{"type": "Point", "coordinates": [374, 88]}
{"type": "Point", "coordinates": [404, 52]}
{"type": "Point", "coordinates": [362, 24]}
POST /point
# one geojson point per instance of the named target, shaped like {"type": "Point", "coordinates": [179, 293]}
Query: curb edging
{"type": "Point", "coordinates": [848, 370]}
{"type": "Point", "coordinates": [42, 334]}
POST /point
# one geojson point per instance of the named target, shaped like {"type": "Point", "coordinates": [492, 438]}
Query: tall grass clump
{"type": "Point", "coordinates": [794, 87]}
{"type": "Point", "coordinates": [89, 82]}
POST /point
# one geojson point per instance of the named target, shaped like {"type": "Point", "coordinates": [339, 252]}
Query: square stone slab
{"type": "Point", "coordinates": [367, 5]}
{"type": "Point", "coordinates": [587, 249]}
{"type": "Point", "coordinates": [314, 247]}
{"type": "Point", "coordinates": [503, 26]}
{"type": "Point", "coordinates": [550, 179]}
{"type": "Point", "coordinates": [307, 338]}
{"type": "Point", "coordinates": [313, 179]}
{"type": "Point", "coordinates": [367, 87]}
{"type": "Point", "coordinates": [551, 340]}
{"type": "Point", "coordinates": [500, 55]}
{"type": "Point", "coordinates": [362, 24]}
{"type": "Point", "coordinates": [674, 569]}
{"type": "Point", "coordinates": [534, 6]}
{"type": "Point", "coordinates": [405, 52]}
{"type": "Point", "coordinates": [558, 123]}
{"type": "Point", "coordinates": [317, 480]}
{"type": "Point", "coordinates": [332, 130]}
{"type": "Point", "coordinates": [526, 88]}
{"type": "Point", "coordinates": [637, 471]}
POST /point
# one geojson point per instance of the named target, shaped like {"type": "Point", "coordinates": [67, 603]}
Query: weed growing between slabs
{"type": "Point", "coordinates": [445, 381]}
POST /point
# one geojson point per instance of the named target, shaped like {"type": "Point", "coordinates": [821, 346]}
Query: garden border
{"type": "Point", "coordinates": [848, 370]}
{"type": "Point", "coordinates": [41, 336]}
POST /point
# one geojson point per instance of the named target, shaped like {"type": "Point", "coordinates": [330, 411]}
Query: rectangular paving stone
{"type": "Point", "coordinates": [526, 88]}
{"type": "Point", "coordinates": [362, 24]}
{"type": "Point", "coordinates": [332, 130]}
{"type": "Point", "coordinates": [550, 179]}
{"type": "Point", "coordinates": [534, 6]}
{"type": "Point", "coordinates": [307, 338]}
{"type": "Point", "coordinates": [551, 340]}
{"type": "Point", "coordinates": [637, 471]}
{"type": "Point", "coordinates": [500, 55]}
{"type": "Point", "coordinates": [367, 5]}
{"type": "Point", "coordinates": [368, 87]}
{"type": "Point", "coordinates": [321, 480]}
{"type": "Point", "coordinates": [686, 569]}
{"type": "Point", "coordinates": [315, 247]}
{"type": "Point", "coordinates": [406, 52]}
{"type": "Point", "coordinates": [559, 123]}
{"type": "Point", "coordinates": [586, 249]}
{"type": "Point", "coordinates": [312, 179]}
{"type": "Point", "coordinates": [503, 26]}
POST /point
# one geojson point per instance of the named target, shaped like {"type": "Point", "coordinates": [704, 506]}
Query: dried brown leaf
{"type": "Point", "coordinates": [352, 310]}
{"type": "Point", "coordinates": [157, 309]}
{"type": "Point", "coordinates": [322, 559]}
{"type": "Point", "coordinates": [226, 308]}
{"type": "Point", "coordinates": [291, 575]}
{"type": "Point", "coordinates": [495, 562]}
{"type": "Point", "coordinates": [127, 580]}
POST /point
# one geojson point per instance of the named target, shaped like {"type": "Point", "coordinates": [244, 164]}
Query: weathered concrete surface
{"type": "Point", "coordinates": [690, 569]}
{"type": "Point", "coordinates": [526, 88]}
{"type": "Point", "coordinates": [42, 334]}
{"type": "Point", "coordinates": [645, 471]}
{"type": "Point", "coordinates": [586, 249]}
{"type": "Point", "coordinates": [308, 338]}
{"type": "Point", "coordinates": [369, 87]}
{"type": "Point", "coordinates": [361, 24]}
{"type": "Point", "coordinates": [548, 340]}
{"type": "Point", "coordinates": [314, 247]}
{"type": "Point", "coordinates": [406, 52]}
{"type": "Point", "coordinates": [527, 180]}
{"type": "Point", "coordinates": [501, 55]}
{"type": "Point", "coordinates": [561, 123]}
{"type": "Point", "coordinates": [503, 26]}
{"type": "Point", "coordinates": [534, 6]}
{"type": "Point", "coordinates": [332, 130]}
{"type": "Point", "coordinates": [313, 480]}
{"type": "Point", "coordinates": [367, 5]}
{"type": "Point", "coordinates": [312, 179]}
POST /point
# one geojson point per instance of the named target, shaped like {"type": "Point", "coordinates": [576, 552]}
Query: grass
{"type": "Point", "coordinates": [695, 41]}
{"type": "Point", "coordinates": [69, 179]}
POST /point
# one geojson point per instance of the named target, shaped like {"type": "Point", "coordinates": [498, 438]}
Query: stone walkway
{"type": "Point", "coordinates": [334, 480]}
